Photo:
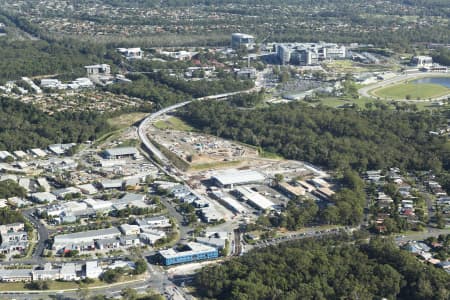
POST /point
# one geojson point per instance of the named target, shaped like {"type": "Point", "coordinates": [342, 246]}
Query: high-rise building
{"type": "Point", "coordinates": [304, 57]}
{"type": "Point", "coordinates": [239, 40]}
{"type": "Point", "coordinates": [284, 54]}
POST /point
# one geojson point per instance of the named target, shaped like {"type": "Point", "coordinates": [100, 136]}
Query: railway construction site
{"type": "Point", "coordinates": [192, 151]}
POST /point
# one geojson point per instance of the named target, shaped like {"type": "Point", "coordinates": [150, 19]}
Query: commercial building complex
{"type": "Point", "coordinates": [64, 271]}
{"type": "Point", "coordinates": [305, 54]}
{"type": "Point", "coordinates": [83, 240]}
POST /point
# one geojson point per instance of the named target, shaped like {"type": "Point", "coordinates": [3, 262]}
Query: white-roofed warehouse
{"type": "Point", "coordinates": [121, 152]}
{"type": "Point", "coordinates": [254, 198]}
{"type": "Point", "coordinates": [230, 178]}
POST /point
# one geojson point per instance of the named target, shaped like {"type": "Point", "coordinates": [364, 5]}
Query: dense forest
{"type": "Point", "coordinates": [374, 138]}
{"type": "Point", "coordinates": [23, 126]}
{"type": "Point", "coordinates": [442, 56]}
{"type": "Point", "coordinates": [31, 58]}
{"type": "Point", "coordinates": [203, 88]}
{"type": "Point", "coordinates": [149, 90]}
{"type": "Point", "coordinates": [43, 55]}
{"type": "Point", "coordinates": [164, 90]}
{"type": "Point", "coordinates": [324, 269]}
{"type": "Point", "coordinates": [8, 216]}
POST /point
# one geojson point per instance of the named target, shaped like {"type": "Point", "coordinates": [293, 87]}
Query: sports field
{"type": "Point", "coordinates": [413, 91]}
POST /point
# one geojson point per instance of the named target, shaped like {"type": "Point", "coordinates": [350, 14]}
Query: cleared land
{"type": "Point", "coordinates": [409, 90]}
{"type": "Point", "coordinates": [347, 66]}
{"type": "Point", "coordinates": [126, 120]}
{"type": "Point", "coordinates": [215, 165]}
{"type": "Point", "coordinates": [172, 123]}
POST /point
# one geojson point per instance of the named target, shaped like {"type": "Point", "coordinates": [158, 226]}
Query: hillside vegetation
{"type": "Point", "coordinates": [374, 138]}
{"type": "Point", "coordinates": [324, 269]}
{"type": "Point", "coordinates": [23, 126]}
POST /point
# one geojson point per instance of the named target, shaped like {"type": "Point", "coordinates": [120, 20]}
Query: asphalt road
{"type": "Point", "coordinates": [184, 230]}
{"type": "Point", "coordinates": [42, 236]}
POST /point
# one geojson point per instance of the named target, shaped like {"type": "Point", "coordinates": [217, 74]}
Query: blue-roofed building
{"type": "Point", "coordinates": [445, 265]}
{"type": "Point", "coordinates": [416, 247]}
{"type": "Point", "coordinates": [196, 252]}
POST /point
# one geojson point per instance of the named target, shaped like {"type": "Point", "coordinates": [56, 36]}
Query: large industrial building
{"type": "Point", "coordinates": [121, 152]}
{"type": "Point", "coordinates": [254, 198]}
{"type": "Point", "coordinates": [83, 240]}
{"type": "Point", "coordinates": [239, 40]}
{"type": "Point", "coordinates": [230, 203]}
{"type": "Point", "coordinates": [230, 178]}
{"type": "Point", "coordinates": [196, 252]}
{"type": "Point", "coordinates": [305, 54]}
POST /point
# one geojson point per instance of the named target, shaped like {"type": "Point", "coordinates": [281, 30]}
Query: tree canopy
{"type": "Point", "coordinates": [23, 126]}
{"type": "Point", "coordinates": [337, 139]}
{"type": "Point", "coordinates": [10, 188]}
{"type": "Point", "coordinates": [324, 269]}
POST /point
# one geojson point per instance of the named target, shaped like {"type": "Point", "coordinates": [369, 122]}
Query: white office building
{"type": "Point", "coordinates": [239, 40]}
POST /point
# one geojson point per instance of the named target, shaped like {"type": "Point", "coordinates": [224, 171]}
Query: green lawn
{"type": "Point", "coordinates": [130, 143]}
{"type": "Point", "coordinates": [173, 123]}
{"type": "Point", "coordinates": [412, 91]}
{"type": "Point", "coordinates": [270, 155]}
{"type": "Point", "coordinates": [64, 285]}
{"type": "Point", "coordinates": [339, 101]}
{"type": "Point", "coordinates": [54, 285]}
